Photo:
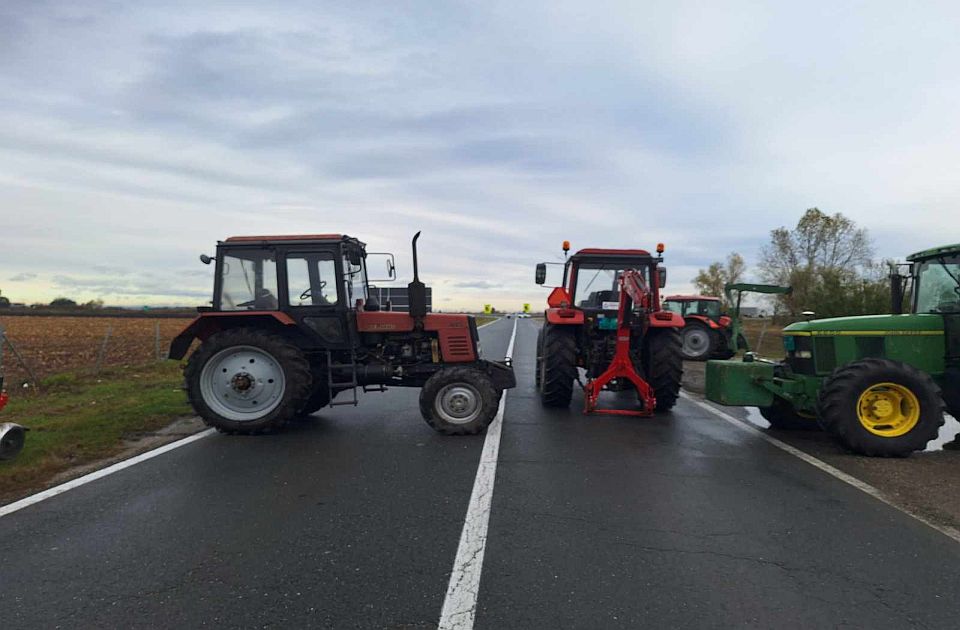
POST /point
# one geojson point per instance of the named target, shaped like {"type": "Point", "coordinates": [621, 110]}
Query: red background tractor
{"type": "Point", "coordinates": [707, 331]}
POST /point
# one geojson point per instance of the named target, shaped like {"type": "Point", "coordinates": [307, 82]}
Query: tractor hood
{"type": "Point", "coordinates": [870, 325]}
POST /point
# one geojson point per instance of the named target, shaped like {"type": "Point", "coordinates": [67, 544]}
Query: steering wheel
{"type": "Point", "coordinates": [311, 290]}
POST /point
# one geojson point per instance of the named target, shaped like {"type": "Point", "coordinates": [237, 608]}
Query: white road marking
{"type": "Point", "coordinates": [822, 465]}
{"type": "Point", "coordinates": [99, 474]}
{"type": "Point", "coordinates": [460, 603]}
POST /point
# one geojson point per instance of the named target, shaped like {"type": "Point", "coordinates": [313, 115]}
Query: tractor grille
{"type": "Point", "coordinates": [458, 347]}
{"type": "Point", "coordinates": [825, 354]}
{"type": "Point", "coordinates": [800, 357]}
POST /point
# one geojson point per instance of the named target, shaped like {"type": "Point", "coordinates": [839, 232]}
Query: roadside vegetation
{"type": "Point", "coordinates": [77, 418]}
{"type": "Point", "coordinates": [827, 259]}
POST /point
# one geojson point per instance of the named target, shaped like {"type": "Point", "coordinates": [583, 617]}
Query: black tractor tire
{"type": "Point", "coordinates": [662, 358]}
{"type": "Point", "coordinates": [781, 415]}
{"type": "Point", "coordinates": [286, 357]}
{"type": "Point", "coordinates": [699, 342]}
{"type": "Point", "coordinates": [840, 395]}
{"type": "Point", "coordinates": [536, 375]}
{"type": "Point", "coordinates": [319, 398]}
{"type": "Point", "coordinates": [951, 391]}
{"type": "Point", "coordinates": [459, 401]}
{"type": "Point", "coordinates": [558, 366]}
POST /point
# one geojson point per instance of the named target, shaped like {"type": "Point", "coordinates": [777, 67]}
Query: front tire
{"type": "Point", "coordinates": [558, 365]}
{"type": "Point", "coordinates": [459, 401]}
{"type": "Point", "coordinates": [663, 365]}
{"type": "Point", "coordinates": [247, 381]}
{"type": "Point", "coordinates": [879, 407]}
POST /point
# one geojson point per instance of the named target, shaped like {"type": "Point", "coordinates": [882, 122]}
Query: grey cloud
{"type": "Point", "coordinates": [23, 277]}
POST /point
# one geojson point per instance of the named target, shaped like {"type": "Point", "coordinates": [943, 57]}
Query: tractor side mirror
{"type": "Point", "coordinates": [661, 277]}
{"type": "Point", "coordinates": [354, 257]}
{"type": "Point", "coordinates": [390, 266]}
{"type": "Point", "coordinates": [205, 259]}
{"type": "Point", "coordinates": [541, 276]}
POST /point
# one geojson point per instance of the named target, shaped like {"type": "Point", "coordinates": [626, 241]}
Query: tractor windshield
{"type": "Point", "coordinates": [938, 285]}
{"type": "Point", "coordinates": [248, 280]}
{"type": "Point", "coordinates": [597, 285]}
{"type": "Point", "coordinates": [704, 308]}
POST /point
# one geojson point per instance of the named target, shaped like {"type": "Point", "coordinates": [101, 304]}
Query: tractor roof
{"type": "Point", "coordinates": [620, 253]}
{"type": "Point", "coordinates": [945, 250]}
{"type": "Point", "coordinates": [293, 239]}
{"type": "Point", "coordinates": [691, 298]}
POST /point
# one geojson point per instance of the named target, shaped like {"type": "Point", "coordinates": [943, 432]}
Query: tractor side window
{"type": "Point", "coordinates": [248, 281]}
{"type": "Point", "coordinates": [938, 287]}
{"type": "Point", "coordinates": [311, 280]}
{"type": "Point", "coordinates": [673, 307]}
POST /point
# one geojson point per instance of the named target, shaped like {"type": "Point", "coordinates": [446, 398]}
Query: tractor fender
{"type": "Point", "coordinates": [706, 321]}
{"type": "Point", "coordinates": [666, 319]}
{"type": "Point", "coordinates": [569, 316]}
{"type": "Point", "coordinates": [207, 324]}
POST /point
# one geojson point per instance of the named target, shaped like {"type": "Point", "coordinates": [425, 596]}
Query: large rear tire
{"type": "Point", "coordinates": [247, 381]}
{"type": "Point", "coordinates": [699, 342]}
{"type": "Point", "coordinates": [558, 365]}
{"type": "Point", "coordinates": [663, 365]}
{"type": "Point", "coordinates": [881, 408]}
{"type": "Point", "coordinates": [459, 401]}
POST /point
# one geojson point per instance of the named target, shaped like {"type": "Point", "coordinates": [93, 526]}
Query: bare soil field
{"type": "Point", "coordinates": [51, 345]}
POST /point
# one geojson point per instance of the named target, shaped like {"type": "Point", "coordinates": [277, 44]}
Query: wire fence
{"type": "Point", "coordinates": [39, 347]}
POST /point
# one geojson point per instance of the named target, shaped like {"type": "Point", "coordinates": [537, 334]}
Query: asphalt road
{"type": "Point", "coordinates": [352, 519]}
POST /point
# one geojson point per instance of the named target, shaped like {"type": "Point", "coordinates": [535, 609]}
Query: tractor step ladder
{"type": "Point", "coordinates": [334, 385]}
{"type": "Point", "coordinates": [632, 290]}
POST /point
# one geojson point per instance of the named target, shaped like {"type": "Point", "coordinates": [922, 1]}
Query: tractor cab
{"type": "Point", "coordinates": [703, 306]}
{"type": "Point", "coordinates": [592, 278]}
{"type": "Point", "coordinates": [270, 273]}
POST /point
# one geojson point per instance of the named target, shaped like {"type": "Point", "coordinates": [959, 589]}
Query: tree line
{"type": "Point", "coordinates": [827, 259]}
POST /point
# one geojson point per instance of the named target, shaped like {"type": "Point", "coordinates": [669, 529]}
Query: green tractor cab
{"type": "Point", "coordinates": [878, 383]}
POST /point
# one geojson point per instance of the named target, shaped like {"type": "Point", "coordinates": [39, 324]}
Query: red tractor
{"type": "Point", "coordinates": [607, 320]}
{"type": "Point", "coordinates": [706, 331]}
{"type": "Point", "coordinates": [293, 326]}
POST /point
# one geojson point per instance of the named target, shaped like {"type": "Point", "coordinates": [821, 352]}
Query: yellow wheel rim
{"type": "Point", "coordinates": [888, 410]}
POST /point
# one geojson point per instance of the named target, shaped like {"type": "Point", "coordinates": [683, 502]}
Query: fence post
{"type": "Point", "coordinates": [103, 348]}
{"type": "Point", "coordinates": [157, 340]}
{"type": "Point", "coordinates": [763, 331]}
{"type": "Point", "coordinates": [4, 340]}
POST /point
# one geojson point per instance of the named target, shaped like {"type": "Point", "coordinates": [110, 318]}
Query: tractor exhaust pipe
{"type": "Point", "coordinates": [417, 292]}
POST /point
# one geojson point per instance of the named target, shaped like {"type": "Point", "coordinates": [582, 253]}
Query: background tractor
{"type": "Point", "coordinates": [706, 331]}
{"type": "Point", "coordinates": [878, 383]}
{"type": "Point", "coordinates": [607, 320]}
{"type": "Point", "coordinates": [709, 333]}
{"type": "Point", "coordinates": [292, 326]}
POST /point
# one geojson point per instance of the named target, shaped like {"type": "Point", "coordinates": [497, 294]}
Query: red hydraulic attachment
{"type": "Point", "coordinates": [633, 290]}
{"type": "Point", "coordinates": [3, 399]}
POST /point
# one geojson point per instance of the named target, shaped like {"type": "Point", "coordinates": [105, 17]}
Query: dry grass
{"type": "Point", "coordinates": [772, 345]}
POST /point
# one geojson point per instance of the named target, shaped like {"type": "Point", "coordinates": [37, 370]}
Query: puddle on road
{"type": "Point", "coordinates": [949, 430]}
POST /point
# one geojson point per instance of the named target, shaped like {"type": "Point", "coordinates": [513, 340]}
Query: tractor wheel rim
{"type": "Point", "coordinates": [888, 409]}
{"type": "Point", "coordinates": [695, 342]}
{"type": "Point", "coordinates": [459, 403]}
{"type": "Point", "coordinates": [242, 383]}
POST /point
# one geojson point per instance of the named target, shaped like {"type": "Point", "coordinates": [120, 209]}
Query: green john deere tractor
{"type": "Point", "coordinates": [878, 383]}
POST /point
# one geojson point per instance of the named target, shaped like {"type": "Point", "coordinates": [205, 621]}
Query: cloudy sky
{"type": "Point", "coordinates": [134, 135]}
